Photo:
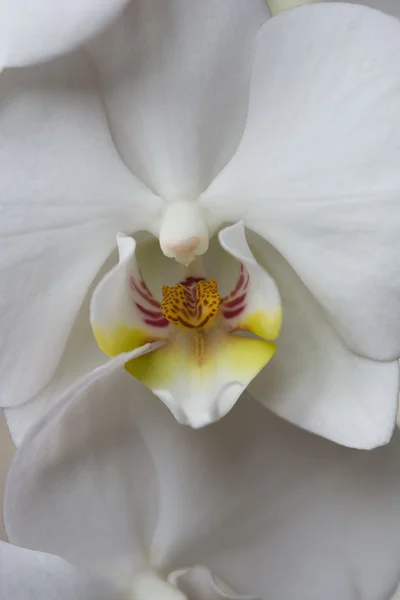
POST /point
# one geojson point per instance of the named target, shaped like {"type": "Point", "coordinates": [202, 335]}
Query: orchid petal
{"type": "Point", "coordinates": [323, 186]}
{"type": "Point", "coordinates": [7, 451]}
{"type": "Point", "coordinates": [176, 80]}
{"type": "Point", "coordinates": [314, 380]}
{"type": "Point", "coordinates": [82, 353]}
{"type": "Point", "coordinates": [107, 534]}
{"type": "Point", "coordinates": [64, 194]}
{"type": "Point", "coordinates": [392, 7]}
{"type": "Point", "coordinates": [254, 305]}
{"type": "Point", "coordinates": [80, 356]}
{"type": "Point", "coordinates": [277, 512]}
{"type": "Point", "coordinates": [27, 574]}
{"type": "Point", "coordinates": [34, 31]}
{"type": "Point", "coordinates": [123, 312]}
{"type": "Point", "coordinates": [201, 378]}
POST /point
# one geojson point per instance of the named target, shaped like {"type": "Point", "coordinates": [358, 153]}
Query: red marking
{"type": "Point", "coordinates": [191, 280]}
{"type": "Point", "coordinates": [185, 323]}
{"type": "Point", "coordinates": [235, 302]}
{"type": "Point", "coordinates": [237, 287]}
{"type": "Point", "coordinates": [190, 326]}
{"type": "Point", "coordinates": [162, 322]}
{"type": "Point", "coordinates": [148, 297]}
{"type": "Point", "coordinates": [144, 286]}
{"type": "Point", "coordinates": [149, 313]}
{"type": "Point", "coordinates": [232, 314]}
{"type": "Point", "coordinates": [205, 320]}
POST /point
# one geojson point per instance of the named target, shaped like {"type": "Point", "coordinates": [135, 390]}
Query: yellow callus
{"type": "Point", "coordinates": [192, 304]}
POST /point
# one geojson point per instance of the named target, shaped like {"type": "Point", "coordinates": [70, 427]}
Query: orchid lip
{"type": "Point", "coordinates": [202, 367]}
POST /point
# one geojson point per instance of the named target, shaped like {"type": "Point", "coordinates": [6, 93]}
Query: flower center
{"type": "Point", "coordinates": [191, 304]}
{"type": "Point", "coordinates": [148, 586]}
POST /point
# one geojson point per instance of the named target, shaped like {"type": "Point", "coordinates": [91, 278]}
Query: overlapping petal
{"type": "Point", "coordinates": [93, 529]}
{"type": "Point", "coordinates": [254, 304]}
{"type": "Point", "coordinates": [32, 31]}
{"type": "Point", "coordinates": [316, 173]}
{"type": "Point", "coordinates": [176, 78]}
{"type": "Point", "coordinates": [314, 380]}
{"type": "Point", "coordinates": [265, 512]}
{"type": "Point", "coordinates": [81, 355]}
{"type": "Point", "coordinates": [27, 574]}
{"type": "Point", "coordinates": [123, 312]}
{"type": "Point", "coordinates": [392, 7]}
{"type": "Point", "coordinates": [64, 193]}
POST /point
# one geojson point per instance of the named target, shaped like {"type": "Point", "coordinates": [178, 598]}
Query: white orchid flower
{"type": "Point", "coordinates": [250, 507]}
{"type": "Point", "coordinates": [190, 122]}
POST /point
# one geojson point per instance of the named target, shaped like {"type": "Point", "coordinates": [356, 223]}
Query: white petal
{"type": "Point", "coordinates": [81, 355]}
{"type": "Point", "coordinates": [176, 79]}
{"type": "Point", "coordinates": [392, 7]}
{"type": "Point", "coordinates": [32, 31]}
{"type": "Point", "coordinates": [255, 294]}
{"type": "Point", "coordinates": [273, 511]}
{"type": "Point", "coordinates": [201, 378]}
{"type": "Point", "coordinates": [26, 574]}
{"type": "Point", "coordinates": [64, 194]}
{"type": "Point", "coordinates": [93, 540]}
{"type": "Point", "coordinates": [314, 380]}
{"type": "Point", "coordinates": [7, 451]}
{"type": "Point", "coordinates": [316, 532]}
{"type": "Point", "coordinates": [124, 314]}
{"type": "Point", "coordinates": [317, 172]}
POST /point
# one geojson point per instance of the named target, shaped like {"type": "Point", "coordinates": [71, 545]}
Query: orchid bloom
{"type": "Point", "coordinates": [142, 508]}
{"type": "Point", "coordinates": [248, 169]}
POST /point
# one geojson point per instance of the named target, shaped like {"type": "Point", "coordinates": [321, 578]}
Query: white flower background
{"type": "Point", "coordinates": [6, 446]}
